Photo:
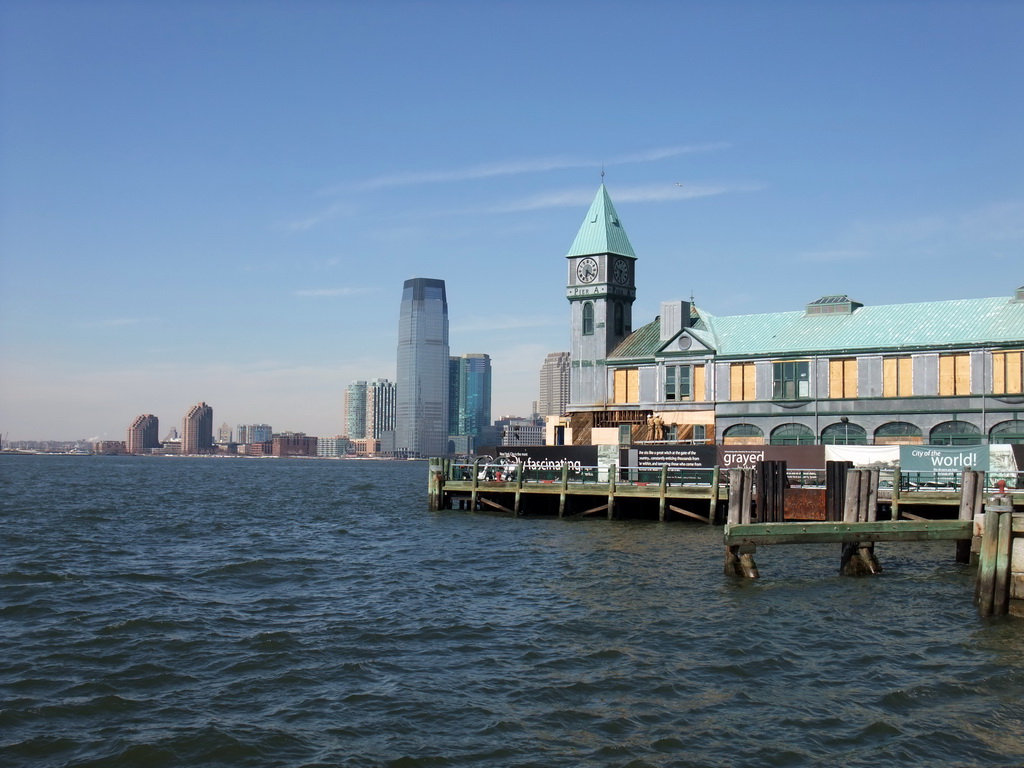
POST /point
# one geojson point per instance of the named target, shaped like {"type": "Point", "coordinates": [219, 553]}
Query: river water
{"type": "Point", "coordinates": [245, 612]}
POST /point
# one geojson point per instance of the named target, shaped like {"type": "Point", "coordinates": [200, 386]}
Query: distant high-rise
{"type": "Point", "coordinates": [473, 399]}
{"type": "Point", "coordinates": [197, 430]}
{"type": "Point", "coordinates": [380, 407]}
{"type": "Point", "coordinates": [224, 433]}
{"type": "Point", "coordinates": [253, 433]}
{"type": "Point", "coordinates": [355, 410]}
{"type": "Point", "coordinates": [421, 418]}
{"type": "Point", "coordinates": [554, 385]}
{"type": "Point", "coordinates": [143, 434]}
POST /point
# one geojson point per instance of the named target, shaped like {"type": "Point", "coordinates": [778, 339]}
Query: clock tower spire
{"type": "Point", "coordinates": [601, 290]}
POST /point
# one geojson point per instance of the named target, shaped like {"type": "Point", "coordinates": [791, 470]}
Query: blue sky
{"type": "Point", "coordinates": [220, 201]}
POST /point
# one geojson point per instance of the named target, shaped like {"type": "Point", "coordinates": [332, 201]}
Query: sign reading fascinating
{"type": "Point", "coordinates": [550, 457]}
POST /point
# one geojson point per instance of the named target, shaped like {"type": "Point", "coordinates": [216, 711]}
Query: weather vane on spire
{"type": "Point", "coordinates": [602, 173]}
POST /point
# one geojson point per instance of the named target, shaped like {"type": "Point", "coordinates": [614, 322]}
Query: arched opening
{"type": "Point", "coordinates": [898, 433]}
{"type": "Point", "coordinates": [844, 433]}
{"type": "Point", "coordinates": [1007, 432]}
{"type": "Point", "coordinates": [740, 434]}
{"type": "Point", "coordinates": [588, 319]}
{"type": "Point", "coordinates": [955, 433]}
{"type": "Point", "coordinates": [792, 434]}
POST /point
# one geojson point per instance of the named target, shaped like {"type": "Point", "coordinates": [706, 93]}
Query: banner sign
{"type": "Point", "coordinates": [795, 456]}
{"type": "Point", "coordinates": [671, 456]}
{"type": "Point", "coordinates": [943, 458]}
{"type": "Point", "coordinates": [870, 456]}
{"type": "Point", "coordinates": [549, 457]}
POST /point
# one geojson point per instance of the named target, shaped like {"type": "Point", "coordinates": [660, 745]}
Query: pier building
{"type": "Point", "coordinates": [836, 371]}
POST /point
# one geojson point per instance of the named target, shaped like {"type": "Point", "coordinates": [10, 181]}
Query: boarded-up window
{"type": "Point", "coordinates": [897, 377]}
{"type": "Point", "coordinates": [627, 385]}
{"type": "Point", "coordinates": [698, 383]}
{"type": "Point", "coordinates": [741, 381]}
{"type": "Point", "coordinates": [955, 375]}
{"type": "Point", "coordinates": [842, 377]}
{"type": "Point", "coordinates": [1008, 373]}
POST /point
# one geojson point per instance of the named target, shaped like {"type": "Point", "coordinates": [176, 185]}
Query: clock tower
{"type": "Point", "coordinates": [601, 291]}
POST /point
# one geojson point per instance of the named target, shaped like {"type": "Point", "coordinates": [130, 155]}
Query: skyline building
{"type": "Point", "coordinates": [380, 407]}
{"type": "Point", "coordinates": [197, 430]}
{"type": "Point", "coordinates": [473, 394]}
{"type": "Point", "coordinates": [253, 433]}
{"type": "Point", "coordinates": [143, 434]}
{"type": "Point", "coordinates": [421, 406]}
{"type": "Point", "coordinates": [554, 385]}
{"type": "Point", "coordinates": [355, 410]}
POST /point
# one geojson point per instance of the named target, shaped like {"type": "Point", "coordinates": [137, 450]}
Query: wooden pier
{"type": "Point", "coordinates": [583, 491]}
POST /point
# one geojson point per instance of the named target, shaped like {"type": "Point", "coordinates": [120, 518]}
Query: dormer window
{"type": "Point", "coordinates": [840, 304]}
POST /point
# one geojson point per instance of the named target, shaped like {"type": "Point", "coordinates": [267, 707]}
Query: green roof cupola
{"type": "Point", "coordinates": [601, 231]}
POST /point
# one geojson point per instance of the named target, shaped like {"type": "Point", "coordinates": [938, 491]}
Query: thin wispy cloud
{"type": "Point", "coordinates": [326, 214]}
{"type": "Point", "coordinates": [517, 167]}
{"type": "Point", "coordinates": [626, 194]}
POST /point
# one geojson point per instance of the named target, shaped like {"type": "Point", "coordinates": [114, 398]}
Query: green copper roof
{"type": "Point", "coordinates": [933, 324]}
{"type": "Point", "coordinates": [924, 324]}
{"type": "Point", "coordinates": [601, 231]}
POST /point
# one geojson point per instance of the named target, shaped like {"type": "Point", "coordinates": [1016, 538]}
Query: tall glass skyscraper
{"type": "Point", "coordinates": [474, 394]}
{"type": "Point", "coordinates": [421, 418]}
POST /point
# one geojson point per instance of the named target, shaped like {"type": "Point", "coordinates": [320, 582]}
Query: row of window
{"type": "Point", "coordinates": [791, 379]}
{"type": "Point", "coordinates": [848, 433]}
{"type": "Point", "coordinates": [619, 325]}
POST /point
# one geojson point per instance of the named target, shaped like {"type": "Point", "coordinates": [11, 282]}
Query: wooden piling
{"type": "Point", "coordinates": [611, 492]}
{"type": "Point", "coordinates": [435, 484]}
{"type": "Point", "coordinates": [972, 488]}
{"type": "Point", "coordinates": [713, 510]}
{"type": "Point", "coordinates": [984, 589]}
{"type": "Point", "coordinates": [516, 507]}
{"type": "Point", "coordinates": [739, 558]}
{"type": "Point", "coordinates": [663, 490]}
{"type": "Point", "coordinates": [476, 484]}
{"type": "Point", "coordinates": [858, 558]}
{"type": "Point", "coordinates": [564, 489]}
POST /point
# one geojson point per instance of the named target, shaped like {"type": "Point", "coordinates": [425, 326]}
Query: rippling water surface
{"type": "Point", "coordinates": [167, 611]}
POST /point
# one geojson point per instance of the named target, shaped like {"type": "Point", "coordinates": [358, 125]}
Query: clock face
{"type": "Point", "coordinates": [586, 270]}
{"type": "Point", "coordinates": [621, 271]}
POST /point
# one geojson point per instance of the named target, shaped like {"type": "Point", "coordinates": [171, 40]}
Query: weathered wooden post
{"type": "Point", "coordinates": [518, 469]}
{"type": "Point", "coordinates": [771, 491]}
{"type": "Point", "coordinates": [716, 475]}
{"type": "Point", "coordinates": [992, 593]}
{"type": "Point", "coordinates": [739, 558]}
{"type": "Point", "coordinates": [435, 484]}
{"type": "Point", "coordinates": [858, 558]}
{"type": "Point", "coordinates": [662, 490]}
{"type": "Point", "coordinates": [476, 482]}
{"type": "Point", "coordinates": [611, 491]}
{"type": "Point", "coordinates": [972, 489]}
{"type": "Point", "coordinates": [835, 488]}
{"type": "Point", "coordinates": [564, 489]}
{"type": "Point", "coordinates": [897, 480]}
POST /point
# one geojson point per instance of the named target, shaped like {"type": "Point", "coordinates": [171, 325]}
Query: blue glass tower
{"type": "Point", "coordinates": [421, 413]}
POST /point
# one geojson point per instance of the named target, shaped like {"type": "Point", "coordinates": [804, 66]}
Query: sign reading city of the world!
{"type": "Point", "coordinates": [943, 458]}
